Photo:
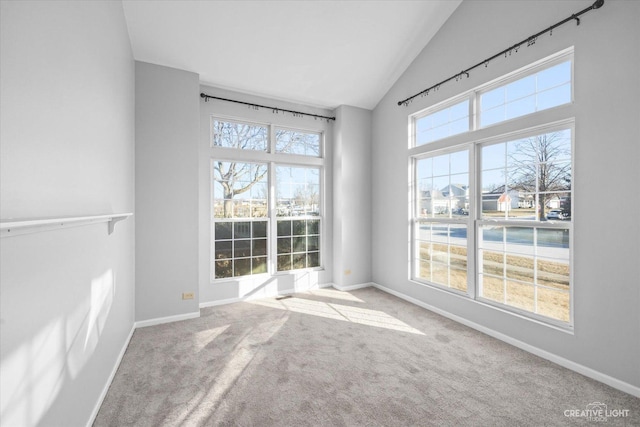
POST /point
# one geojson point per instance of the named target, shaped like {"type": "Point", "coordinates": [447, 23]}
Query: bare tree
{"type": "Point", "coordinates": [239, 135]}
{"type": "Point", "coordinates": [541, 164]}
{"type": "Point", "coordinates": [290, 141]}
{"type": "Point", "coordinates": [238, 178]}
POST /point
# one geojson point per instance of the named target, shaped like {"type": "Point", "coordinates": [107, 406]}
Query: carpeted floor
{"type": "Point", "coordinates": [330, 358]}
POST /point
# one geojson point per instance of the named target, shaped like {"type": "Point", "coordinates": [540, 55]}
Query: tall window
{"type": "Point", "coordinates": [256, 231]}
{"type": "Point", "coordinates": [240, 214]}
{"type": "Point", "coordinates": [492, 218]}
{"type": "Point", "coordinates": [298, 209]}
{"type": "Point", "coordinates": [524, 230]}
{"type": "Point", "coordinates": [442, 219]}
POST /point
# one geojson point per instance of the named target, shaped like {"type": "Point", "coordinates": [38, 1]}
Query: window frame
{"type": "Point", "coordinates": [212, 119]}
{"type": "Point", "coordinates": [536, 123]}
{"type": "Point", "coordinates": [559, 225]}
{"type": "Point", "coordinates": [289, 128]}
{"type": "Point", "coordinates": [467, 96]}
{"type": "Point", "coordinates": [521, 73]}
{"type": "Point", "coordinates": [416, 219]}
{"type": "Point", "coordinates": [272, 159]}
{"type": "Point", "coordinates": [276, 218]}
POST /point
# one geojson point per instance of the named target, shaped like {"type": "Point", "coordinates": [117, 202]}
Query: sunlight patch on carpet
{"type": "Point", "coordinates": [345, 313]}
{"type": "Point", "coordinates": [332, 293]}
{"type": "Point", "coordinates": [202, 338]}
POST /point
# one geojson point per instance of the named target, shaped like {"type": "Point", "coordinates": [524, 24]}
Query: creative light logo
{"type": "Point", "coordinates": [597, 412]}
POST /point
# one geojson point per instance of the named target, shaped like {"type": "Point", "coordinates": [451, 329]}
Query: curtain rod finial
{"type": "Point", "coordinates": [598, 4]}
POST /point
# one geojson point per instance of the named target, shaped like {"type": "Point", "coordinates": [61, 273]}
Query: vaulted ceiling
{"type": "Point", "coordinates": [320, 53]}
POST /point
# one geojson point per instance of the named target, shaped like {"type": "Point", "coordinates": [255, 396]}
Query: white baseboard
{"type": "Point", "coordinates": [261, 296]}
{"type": "Point", "coordinates": [112, 375]}
{"type": "Point", "coordinates": [352, 287]}
{"type": "Point", "coordinates": [168, 319]}
{"type": "Point", "coordinates": [565, 363]}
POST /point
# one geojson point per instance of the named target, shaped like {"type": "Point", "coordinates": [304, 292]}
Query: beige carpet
{"type": "Point", "coordinates": [330, 358]}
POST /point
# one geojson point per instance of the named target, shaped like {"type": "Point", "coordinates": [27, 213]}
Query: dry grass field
{"type": "Point", "coordinates": [508, 279]}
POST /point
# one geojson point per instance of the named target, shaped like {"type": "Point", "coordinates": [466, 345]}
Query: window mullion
{"type": "Point", "coordinates": [472, 252]}
{"type": "Point", "coordinates": [273, 223]}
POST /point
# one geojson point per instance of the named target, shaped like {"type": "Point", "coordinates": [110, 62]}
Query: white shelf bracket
{"type": "Point", "coordinates": [113, 221]}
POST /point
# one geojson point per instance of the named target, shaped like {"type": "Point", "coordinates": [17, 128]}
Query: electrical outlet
{"type": "Point", "coordinates": [347, 272]}
{"type": "Point", "coordinates": [188, 295]}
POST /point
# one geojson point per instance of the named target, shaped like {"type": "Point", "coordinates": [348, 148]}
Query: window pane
{"type": "Point", "coordinates": [223, 269]}
{"type": "Point", "coordinates": [242, 267]}
{"type": "Point", "coordinates": [527, 268]}
{"type": "Point", "coordinates": [441, 254]}
{"type": "Point", "coordinates": [284, 245]}
{"type": "Point", "coordinates": [299, 244]}
{"type": "Point", "coordinates": [299, 261]}
{"type": "Point", "coordinates": [553, 273]}
{"type": "Point", "coordinates": [259, 229]}
{"type": "Point", "coordinates": [459, 162]}
{"type": "Point", "coordinates": [493, 156]}
{"type": "Point", "coordinates": [556, 96]}
{"type": "Point", "coordinates": [492, 288]}
{"type": "Point", "coordinates": [443, 123]}
{"type": "Point", "coordinates": [554, 76]}
{"type": "Point", "coordinates": [258, 265]}
{"type": "Point", "coordinates": [493, 115]}
{"type": "Point", "coordinates": [297, 142]}
{"type": "Point", "coordinates": [527, 178]}
{"type": "Point", "coordinates": [519, 107]}
{"type": "Point", "coordinates": [259, 247]}
{"type": "Point", "coordinates": [223, 230]}
{"type": "Point", "coordinates": [520, 88]}
{"type": "Point", "coordinates": [492, 263]}
{"type": "Point", "coordinates": [239, 135]}
{"type": "Point", "coordinates": [284, 228]}
{"type": "Point", "coordinates": [284, 262]}
{"type": "Point", "coordinates": [242, 248]}
{"type": "Point", "coordinates": [239, 190]}
{"type": "Point", "coordinates": [520, 268]}
{"type": "Point", "coordinates": [520, 295]}
{"type": "Point", "coordinates": [313, 226]}
{"type": "Point", "coordinates": [313, 259]}
{"type": "Point", "coordinates": [235, 243]}
{"type": "Point", "coordinates": [443, 185]}
{"type": "Point", "coordinates": [300, 249]}
{"type": "Point", "coordinates": [545, 89]}
{"type": "Point", "coordinates": [297, 191]}
{"type": "Point", "coordinates": [223, 249]}
{"type": "Point", "coordinates": [313, 243]}
{"type": "Point", "coordinates": [553, 303]}
{"type": "Point", "coordinates": [299, 228]}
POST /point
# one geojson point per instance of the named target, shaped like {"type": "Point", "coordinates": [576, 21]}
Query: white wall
{"type": "Point", "coordinates": [352, 196]}
{"type": "Point", "coordinates": [260, 285]}
{"type": "Point", "coordinates": [166, 171]}
{"type": "Point", "coordinates": [606, 109]}
{"type": "Point", "coordinates": [67, 146]}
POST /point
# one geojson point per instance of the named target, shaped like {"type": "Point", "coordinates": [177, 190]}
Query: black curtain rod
{"type": "Point", "coordinates": [529, 41]}
{"type": "Point", "coordinates": [273, 109]}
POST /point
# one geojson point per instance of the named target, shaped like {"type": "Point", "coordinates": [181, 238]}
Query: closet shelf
{"type": "Point", "coordinates": [12, 227]}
